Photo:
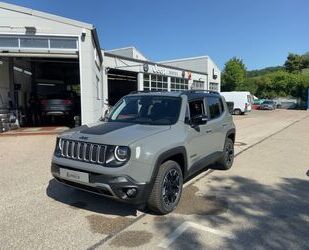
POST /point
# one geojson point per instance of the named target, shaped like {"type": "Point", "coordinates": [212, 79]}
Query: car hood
{"type": "Point", "coordinates": [114, 133]}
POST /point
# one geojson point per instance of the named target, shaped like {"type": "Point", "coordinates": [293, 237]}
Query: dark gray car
{"type": "Point", "coordinates": [268, 105]}
{"type": "Point", "coordinates": [146, 148]}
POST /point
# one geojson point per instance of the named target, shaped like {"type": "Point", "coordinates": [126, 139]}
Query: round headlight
{"type": "Point", "coordinates": [121, 153]}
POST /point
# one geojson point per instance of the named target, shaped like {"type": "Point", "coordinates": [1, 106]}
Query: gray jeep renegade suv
{"type": "Point", "coordinates": [147, 146]}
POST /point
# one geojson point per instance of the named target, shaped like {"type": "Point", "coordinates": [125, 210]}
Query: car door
{"type": "Point", "coordinates": [199, 139]}
{"type": "Point", "coordinates": [217, 124]}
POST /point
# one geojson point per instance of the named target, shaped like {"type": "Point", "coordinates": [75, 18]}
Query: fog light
{"type": "Point", "coordinates": [131, 192]}
{"type": "Point", "coordinates": [120, 179]}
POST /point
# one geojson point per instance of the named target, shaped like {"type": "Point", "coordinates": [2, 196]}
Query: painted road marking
{"type": "Point", "coordinates": [184, 226]}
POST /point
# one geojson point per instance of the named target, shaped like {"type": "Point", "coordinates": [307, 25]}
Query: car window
{"type": "Point", "coordinates": [150, 110]}
{"type": "Point", "coordinates": [196, 108]}
{"type": "Point", "coordinates": [214, 106]}
{"type": "Point", "coordinates": [221, 105]}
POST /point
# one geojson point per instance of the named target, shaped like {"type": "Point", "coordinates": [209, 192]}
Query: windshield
{"type": "Point", "coordinates": [152, 110]}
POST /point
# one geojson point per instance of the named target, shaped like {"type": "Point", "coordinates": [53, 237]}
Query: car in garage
{"type": "Point", "coordinates": [61, 104]}
{"type": "Point", "coordinates": [148, 145]}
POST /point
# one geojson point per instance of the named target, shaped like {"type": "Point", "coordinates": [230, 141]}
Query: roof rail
{"type": "Point", "coordinates": [146, 91]}
{"type": "Point", "coordinates": [201, 91]}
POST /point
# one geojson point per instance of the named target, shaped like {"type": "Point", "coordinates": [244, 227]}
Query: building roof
{"type": "Point", "coordinates": [185, 59]}
{"type": "Point", "coordinates": [131, 52]}
{"type": "Point", "coordinates": [45, 15]}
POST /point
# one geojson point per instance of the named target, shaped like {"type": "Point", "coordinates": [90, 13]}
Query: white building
{"type": "Point", "coordinates": [200, 64]}
{"type": "Point", "coordinates": [45, 54]}
{"type": "Point", "coordinates": [125, 73]}
{"type": "Point", "coordinates": [55, 51]}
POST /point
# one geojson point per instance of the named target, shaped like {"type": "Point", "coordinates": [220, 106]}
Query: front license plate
{"type": "Point", "coordinates": [74, 175]}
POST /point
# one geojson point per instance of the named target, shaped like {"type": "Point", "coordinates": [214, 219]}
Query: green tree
{"type": "Point", "coordinates": [248, 85]}
{"type": "Point", "coordinates": [280, 84]}
{"type": "Point", "coordinates": [305, 60]}
{"type": "Point", "coordinates": [294, 63]}
{"type": "Point", "coordinates": [233, 75]}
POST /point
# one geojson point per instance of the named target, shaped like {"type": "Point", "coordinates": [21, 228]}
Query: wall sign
{"type": "Point", "coordinates": [214, 76]}
{"type": "Point", "coordinates": [158, 70]}
{"type": "Point", "coordinates": [146, 67]}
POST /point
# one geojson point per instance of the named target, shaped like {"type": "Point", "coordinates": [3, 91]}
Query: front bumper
{"type": "Point", "coordinates": [115, 187]}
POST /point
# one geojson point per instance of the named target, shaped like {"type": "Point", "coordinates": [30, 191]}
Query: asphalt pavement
{"type": "Point", "coordinates": [261, 203]}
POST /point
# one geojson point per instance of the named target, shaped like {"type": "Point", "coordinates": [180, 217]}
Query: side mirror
{"type": "Point", "coordinates": [199, 120]}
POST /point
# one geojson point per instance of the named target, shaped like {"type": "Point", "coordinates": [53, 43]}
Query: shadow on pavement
{"type": "Point", "coordinates": [260, 216]}
{"type": "Point", "coordinates": [84, 200]}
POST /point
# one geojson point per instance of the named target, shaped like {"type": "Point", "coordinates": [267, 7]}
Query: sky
{"type": "Point", "coordinates": [260, 32]}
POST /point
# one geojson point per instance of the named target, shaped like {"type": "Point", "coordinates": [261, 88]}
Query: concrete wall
{"type": "Point", "coordinates": [91, 81]}
{"type": "Point", "coordinates": [197, 64]}
{"type": "Point", "coordinates": [213, 68]}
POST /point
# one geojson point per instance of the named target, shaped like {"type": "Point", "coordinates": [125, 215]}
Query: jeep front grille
{"type": "Point", "coordinates": [82, 151]}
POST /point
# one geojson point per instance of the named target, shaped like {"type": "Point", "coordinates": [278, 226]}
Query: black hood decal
{"type": "Point", "coordinates": [105, 128]}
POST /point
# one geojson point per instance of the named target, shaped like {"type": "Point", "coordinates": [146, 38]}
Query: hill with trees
{"type": "Point", "coordinates": [290, 79]}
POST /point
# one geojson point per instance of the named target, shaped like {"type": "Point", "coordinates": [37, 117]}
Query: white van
{"type": "Point", "coordinates": [242, 101]}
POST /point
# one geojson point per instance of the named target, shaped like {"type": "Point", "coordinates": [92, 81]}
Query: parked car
{"type": "Point", "coordinates": [242, 101]}
{"type": "Point", "coordinates": [268, 105]}
{"type": "Point", "coordinates": [148, 145]}
{"type": "Point", "coordinates": [257, 103]}
{"type": "Point", "coordinates": [61, 104]}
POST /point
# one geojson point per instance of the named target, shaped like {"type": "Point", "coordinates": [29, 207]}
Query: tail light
{"type": "Point", "coordinates": [67, 102]}
{"type": "Point", "coordinates": [246, 106]}
{"type": "Point", "coordinates": [43, 102]}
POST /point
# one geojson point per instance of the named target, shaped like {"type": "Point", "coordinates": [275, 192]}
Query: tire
{"type": "Point", "coordinates": [237, 112]}
{"type": "Point", "coordinates": [227, 158]}
{"type": "Point", "coordinates": [169, 174]}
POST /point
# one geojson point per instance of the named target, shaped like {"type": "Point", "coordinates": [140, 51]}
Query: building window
{"type": "Point", "coordinates": [7, 42]}
{"type": "Point", "coordinates": [60, 43]}
{"type": "Point", "coordinates": [33, 43]}
{"type": "Point", "coordinates": [197, 84]}
{"type": "Point", "coordinates": [38, 42]}
{"type": "Point", "coordinates": [214, 86]}
{"type": "Point", "coordinates": [178, 84]}
{"type": "Point", "coordinates": [155, 82]}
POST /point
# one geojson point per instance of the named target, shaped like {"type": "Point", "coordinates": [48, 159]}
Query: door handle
{"type": "Point", "coordinates": [208, 131]}
{"type": "Point", "coordinates": [224, 124]}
